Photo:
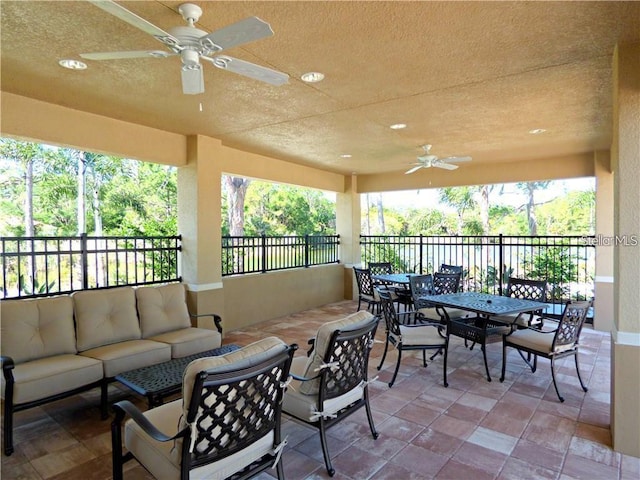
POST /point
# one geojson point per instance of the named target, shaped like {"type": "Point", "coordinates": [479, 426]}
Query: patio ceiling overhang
{"type": "Point", "coordinates": [471, 78]}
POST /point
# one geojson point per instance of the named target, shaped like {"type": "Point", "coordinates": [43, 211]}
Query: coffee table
{"type": "Point", "coordinates": [163, 379]}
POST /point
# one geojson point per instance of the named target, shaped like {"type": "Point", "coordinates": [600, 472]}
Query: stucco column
{"type": "Point", "coordinates": [625, 156]}
{"type": "Point", "coordinates": [603, 282]}
{"type": "Point", "coordinates": [199, 223]}
{"type": "Point", "coordinates": [348, 227]}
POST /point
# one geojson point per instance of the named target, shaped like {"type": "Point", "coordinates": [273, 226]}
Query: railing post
{"type": "Point", "coordinates": [264, 253]}
{"type": "Point", "coordinates": [421, 271]}
{"type": "Point", "coordinates": [500, 269]}
{"type": "Point", "coordinates": [306, 251]}
{"type": "Point", "coordinates": [85, 260]}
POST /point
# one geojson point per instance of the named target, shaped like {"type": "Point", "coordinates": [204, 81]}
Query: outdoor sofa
{"type": "Point", "coordinates": [55, 347]}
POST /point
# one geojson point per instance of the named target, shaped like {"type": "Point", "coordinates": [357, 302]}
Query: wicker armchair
{"type": "Point", "coordinates": [553, 344]}
{"type": "Point", "coordinates": [228, 422]}
{"type": "Point", "coordinates": [411, 337]}
{"type": "Point", "coordinates": [331, 383]}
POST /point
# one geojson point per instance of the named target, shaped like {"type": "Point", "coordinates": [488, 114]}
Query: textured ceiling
{"type": "Point", "coordinates": [471, 78]}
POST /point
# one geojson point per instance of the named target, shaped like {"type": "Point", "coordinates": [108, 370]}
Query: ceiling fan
{"type": "Point", "coordinates": [193, 45]}
{"type": "Point", "coordinates": [428, 160]}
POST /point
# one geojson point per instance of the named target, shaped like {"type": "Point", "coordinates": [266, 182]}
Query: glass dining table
{"type": "Point", "coordinates": [491, 319]}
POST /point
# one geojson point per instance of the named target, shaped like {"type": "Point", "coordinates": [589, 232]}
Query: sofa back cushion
{"type": "Point", "coordinates": [105, 316]}
{"type": "Point", "coordinates": [315, 361]}
{"type": "Point", "coordinates": [37, 328]}
{"type": "Point", "coordinates": [162, 309]}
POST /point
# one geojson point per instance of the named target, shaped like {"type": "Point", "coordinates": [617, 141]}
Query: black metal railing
{"type": "Point", "coordinates": [262, 254]}
{"type": "Point", "coordinates": [41, 266]}
{"type": "Point", "coordinates": [567, 263]}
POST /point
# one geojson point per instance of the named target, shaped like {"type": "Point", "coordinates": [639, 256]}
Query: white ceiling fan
{"type": "Point", "coordinates": [193, 45]}
{"type": "Point", "coordinates": [428, 160]}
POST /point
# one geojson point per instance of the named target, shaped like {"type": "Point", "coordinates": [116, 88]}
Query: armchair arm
{"type": "Point", "coordinates": [7, 367]}
{"type": "Point", "coordinates": [125, 407]}
{"type": "Point", "coordinates": [312, 342]}
{"type": "Point", "coordinates": [301, 378]}
{"type": "Point", "coordinates": [217, 320]}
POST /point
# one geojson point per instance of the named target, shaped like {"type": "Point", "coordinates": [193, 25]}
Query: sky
{"type": "Point", "coordinates": [510, 196]}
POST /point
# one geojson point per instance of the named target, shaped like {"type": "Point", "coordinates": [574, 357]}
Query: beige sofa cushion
{"type": "Point", "coordinates": [44, 377]}
{"type": "Point", "coordinates": [105, 316]}
{"type": "Point", "coordinates": [355, 320]}
{"type": "Point", "coordinates": [188, 341]}
{"type": "Point", "coordinates": [162, 309]}
{"type": "Point", "coordinates": [131, 354]}
{"type": "Point", "coordinates": [37, 328]}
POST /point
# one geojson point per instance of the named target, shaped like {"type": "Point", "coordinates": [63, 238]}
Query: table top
{"type": "Point", "coordinates": [485, 303]}
{"type": "Point", "coordinates": [402, 278]}
{"type": "Point", "coordinates": [165, 376]}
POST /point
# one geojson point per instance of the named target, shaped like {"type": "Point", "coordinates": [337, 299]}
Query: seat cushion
{"type": "Point", "coordinates": [421, 335]}
{"type": "Point", "coordinates": [532, 339]}
{"type": "Point", "coordinates": [432, 314]}
{"type": "Point", "coordinates": [45, 377]}
{"type": "Point", "coordinates": [162, 309]}
{"type": "Point", "coordinates": [105, 316]}
{"type": "Point", "coordinates": [124, 356]}
{"type": "Point", "coordinates": [162, 459]}
{"type": "Point", "coordinates": [190, 340]}
{"type": "Point", "coordinates": [519, 319]}
{"type": "Point", "coordinates": [37, 328]}
{"type": "Point", "coordinates": [304, 406]}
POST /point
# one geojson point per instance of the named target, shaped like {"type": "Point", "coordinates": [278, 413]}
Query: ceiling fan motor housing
{"type": "Point", "coordinates": [190, 59]}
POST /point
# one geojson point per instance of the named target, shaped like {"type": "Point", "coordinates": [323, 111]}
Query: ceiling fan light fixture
{"type": "Point", "coordinates": [398, 126]}
{"type": "Point", "coordinates": [72, 64]}
{"type": "Point", "coordinates": [312, 77]}
{"type": "Point", "coordinates": [537, 131]}
{"type": "Point", "coordinates": [346, 155]}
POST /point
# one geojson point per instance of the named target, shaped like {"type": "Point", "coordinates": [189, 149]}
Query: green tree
{"type": "Point", "coordinates": [461, 199]}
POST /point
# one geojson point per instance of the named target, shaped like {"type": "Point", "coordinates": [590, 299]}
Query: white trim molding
{"type": "Point", "coordinates": [626, 338]}
{"type": "Point", "coordinates": [202, 287]}
{"type": "Point", "coordinates": [603, 279]}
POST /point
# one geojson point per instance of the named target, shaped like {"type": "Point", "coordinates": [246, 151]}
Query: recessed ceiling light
{"type": "Point", "coordinates": [398, 126]}
{"type": "Point", "coordinates": [312, 77]}
{"type": "Point", "coordinates": [72, 64]}
{"type": "Point", "coordinates": [537, 131]}
{"type": "Point", "coordinates": [345, 155]}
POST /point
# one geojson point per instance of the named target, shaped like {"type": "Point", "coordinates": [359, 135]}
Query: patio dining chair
{"type": "Point", "coordinates": [366, 291]}
{"type": "Point", "coordinates": [445, 268]}
{"type": "Point", "coordinates": [227, 423]}
{"type": "Point", "coordinates": [554, 344]}
{"type": "Point", "coordinates": [331, 382]}
{"type": "Point", "coordinates": [528, 290]}
{"type": "Point", "coordinates": [404, 336]}
{"type": "Point", "coordinates": [422, 285]}
{"type": "Point", "coordinates": [400, 294]}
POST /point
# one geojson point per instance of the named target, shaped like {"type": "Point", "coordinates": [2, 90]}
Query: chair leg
{"type": "Point", "coordinates": [444, 368]}
{"type": "Point", "coordinates": [384, 355]}
{"type": "Point", "coordinates": [359, 303]}
{"type": "Point", "coordinates": [438, 352]}
{"type": "Point", "coordinates": [280, 470]}
{"type": "Point", "coordinates": [116, 444]}
{"type": "Point", "coordinates": [8, 421]}
{"type": "Point", "coordinates": [424, 358]}
{"type": "Point", "coordinates": [504, 360]}
{"type": "Point", "coordinates": [553, 377]}
{"type": "Point", "coordinates": [397, 366]}
{"type": "Point", "coordinates": [367, 407]}
{"type": "Point", "coordinates": [584, 388]}
{"type": "Point", "coordinates": [325, 450]}
{"type": "Point", "coordinates": [104, 399]}
{"type": "Point", "coordinates": [486, 366]}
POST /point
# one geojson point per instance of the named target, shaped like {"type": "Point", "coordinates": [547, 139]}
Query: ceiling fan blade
{"type": "Point", "coordinates": [132, 19]}
{"type": "Point", "coordinates": [446, 166]}
{"type": "Point", "coordinates": [456, 159]}
{"type": "Point", "coordinates": [249, 69]}
{"type": "Point", "coordinates": [192, 81]}
{"type": "Point", "coordinates": [244, 31]}
{"type": "Point", "coordinates": [131, 54]}
{"type": "Point", "coordinates": [414, 169]}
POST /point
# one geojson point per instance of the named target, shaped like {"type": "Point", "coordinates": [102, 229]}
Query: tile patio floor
{"type": "Point", "coordinates": [473, 429]}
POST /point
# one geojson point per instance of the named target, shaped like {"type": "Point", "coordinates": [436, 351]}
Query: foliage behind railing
{"type": "Point", "coordinates": [262, 254]}
{"type": "Point", "coordinates": [40, 266]}
{"type": "Point", "coordinates": [567, 263]}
